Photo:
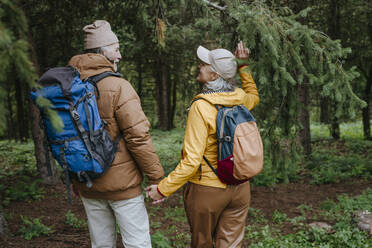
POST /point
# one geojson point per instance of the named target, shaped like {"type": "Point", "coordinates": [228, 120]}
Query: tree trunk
{"type": "Point", "coordinates": [3, 225]}
{"type": "Point", "coordinates": [334, 31]}
{"type": "Point", "coordinates": [366, 110]}
{"type": "Point", "coordinates": [27, 116]}
{"type": "Point", "coordinates": [174, 103]}
{"type": "Point", "coordinates": [38, 136]}
{"type": "Point", "coordinates": [11, 124]}
{"type": "Point", "coordinates": [304, 117]}
{"type": "Point", "coordinates": [324, 110]}
{"type": "Point", "coordinates": [21, 123]}
{"type": "Point", "coordinates": [41, 150]}
{"type": "Point", "coordinates": [163, 102]}
{"type": "Point", "coordinates": [335, 125]}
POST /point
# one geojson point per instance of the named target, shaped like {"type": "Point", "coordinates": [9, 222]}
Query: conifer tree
{"type": "Point", "coordinates": [286, 55]}
{"type": "Point", "coordinates": [16, 68]}
{"type": "Point", "coordinates": [159, 39]}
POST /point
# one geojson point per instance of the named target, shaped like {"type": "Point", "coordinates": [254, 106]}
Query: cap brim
{"type": "Point", "coordinates": [203, 54]}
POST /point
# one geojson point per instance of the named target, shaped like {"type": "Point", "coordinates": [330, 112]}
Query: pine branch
{"type": "Point", "coordinates": [220, 8]}
{"type": "Point", "coordinates": [215, 5]}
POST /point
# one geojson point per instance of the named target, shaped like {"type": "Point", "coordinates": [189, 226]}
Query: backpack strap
{"type": "Point", "coordinates": [200, 98]}
{"type": "Point", "coordinates": [96, 78]}
{"type": "Point", "coordinates": [205, 159]}
{"type": "Point", "coordinates": [210, 166]}
{"type": "Point", "coordinates": [66, 172]}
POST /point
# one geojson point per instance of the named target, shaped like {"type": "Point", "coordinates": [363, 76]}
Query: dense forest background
{"type": "Point", "coordinates": [311, 60]}
{"type": "Point", "coordinates": [312, 63]}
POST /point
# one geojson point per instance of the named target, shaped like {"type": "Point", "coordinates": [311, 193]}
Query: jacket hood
{"type": "Point", "coordinates": [227, 99]}
{"type": "Point", "coordinates": [91, 64]}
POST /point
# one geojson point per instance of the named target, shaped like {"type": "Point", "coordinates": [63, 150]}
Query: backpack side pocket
{"type": "Point", "coordinates": [248, 151]}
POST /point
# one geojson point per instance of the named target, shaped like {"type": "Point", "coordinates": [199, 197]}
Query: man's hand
{"type": "Point", "coordinates": [152, 192]}
{"type": "Point", "coordinates": [241, 52]}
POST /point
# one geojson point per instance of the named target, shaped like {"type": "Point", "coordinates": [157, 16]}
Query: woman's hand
{"type": "Point", "coordinates": [241, 52]}
{"type": "Point", "coordinates": [152, 192]}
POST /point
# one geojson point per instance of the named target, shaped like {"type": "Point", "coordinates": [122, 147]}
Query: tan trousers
{"type": "Point", "coordinates": [217, 216]}
{"type": "Point", "coordinates": [130, 215]}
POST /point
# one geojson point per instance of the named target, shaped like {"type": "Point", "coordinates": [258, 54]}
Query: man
{"type": "Point", "coordinates": [117, 195]}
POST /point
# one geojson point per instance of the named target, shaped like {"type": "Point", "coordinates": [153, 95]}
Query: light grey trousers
{"type": "Point", "coordinates": [130, 215]}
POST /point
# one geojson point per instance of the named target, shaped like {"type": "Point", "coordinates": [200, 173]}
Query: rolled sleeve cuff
{"type": "Point", "coordinates": [242, 66]}
{"type": "Point", "coordinates": [157, 188]}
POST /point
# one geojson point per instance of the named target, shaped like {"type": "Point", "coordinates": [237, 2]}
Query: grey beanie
{"type": "Point", "coordinates": [99, 34]}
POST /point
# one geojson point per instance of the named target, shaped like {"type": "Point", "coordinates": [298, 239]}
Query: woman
{"type": "Point", "coordinates": [216, 212]}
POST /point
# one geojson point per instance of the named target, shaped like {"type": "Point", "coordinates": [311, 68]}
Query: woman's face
{"type": "Point", "coordinates": [206, 74]}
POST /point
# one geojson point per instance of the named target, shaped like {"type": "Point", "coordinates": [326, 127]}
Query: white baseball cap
{"type": "Point", "coordinates": [221, 60]}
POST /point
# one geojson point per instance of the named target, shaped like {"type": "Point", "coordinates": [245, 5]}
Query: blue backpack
{"type": "Point", "coordinates": [239, 145]}
{"type": "Point", "coordinates": [84, 148]}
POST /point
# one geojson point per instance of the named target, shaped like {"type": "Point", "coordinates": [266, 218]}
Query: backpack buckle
{"type": "Point", "coordinates": [75, 115]}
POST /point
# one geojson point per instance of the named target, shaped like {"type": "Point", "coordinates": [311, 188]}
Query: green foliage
{"type": "Point", "coordinates": [344, 233]}
{"type": "Point", "coordinates": [16, 159]}
{"type": "Point", "coordinates": [352, 159]}
{"type": "Point", "coordinates": [180, 239]}
{"type": "Point", "coordinates": [15, 62]}
{"type": "Point", "coordinates": [347, 204]}
{"type": "Point", "coordinates": [73, 221]}
{"type": "Point", "coordinates": [52, 115]}
{"type": "Point", "coordinates": [286, 53]}
{"type": "Point", "coordinates": [158, 239]}
{"type": "Point", "coordinates": [297, 220]}
{"type": "Point", "coordinates": [330, 161]}
{"type": "Point", "coordinates": [279, 217]}
{"type": "Point", "coordinates": [168, 224]}
{"type": "Point", "coordinates": [256, 216]}
{"type": "Point", "coordinates": [162, 36]}
{"type": "Point", "coordinates": [168, 145]}
{"type": "Point", "coordinates": [23, 191]}
{"type": "Point", "coordinates": [175, 214]}
{"type": "Point", "coordinates": [271, 176]}
{"type": "Point", "coordinates": [349, 130]}
{"type": "Point", "coordinates": [34, 228]}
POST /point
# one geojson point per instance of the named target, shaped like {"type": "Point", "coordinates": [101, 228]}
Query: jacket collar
{"type": "Point", "coordinates": [91, 64]}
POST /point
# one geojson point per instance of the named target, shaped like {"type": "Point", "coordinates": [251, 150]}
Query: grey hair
{"type": "Point", "coordinates": [220, 85]}
{"type": "Point", "coordinates": [98, 50]}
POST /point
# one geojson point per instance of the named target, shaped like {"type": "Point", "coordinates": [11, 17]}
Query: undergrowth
{"type": "Point", "coordinates": [343, 232]}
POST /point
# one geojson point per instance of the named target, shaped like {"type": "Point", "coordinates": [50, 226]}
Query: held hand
{"type": "Point", "coordinates": [75, 191]}
{"type": "Point", "coordinates": [241, 52]}
{"type": "Point", "coordinates": [152, 192]}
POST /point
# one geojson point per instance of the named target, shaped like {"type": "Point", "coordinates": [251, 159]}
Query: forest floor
{"type": "Point", "coordinates": [283, 198]}
{"type": "Point", "coordinates": [40, 216]}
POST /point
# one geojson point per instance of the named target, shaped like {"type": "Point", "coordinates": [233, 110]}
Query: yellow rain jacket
{"type": "Point", "coordinates": [200, 137]}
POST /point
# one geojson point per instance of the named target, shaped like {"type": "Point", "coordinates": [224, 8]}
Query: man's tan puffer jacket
{"type": "Point", "coordinates": [120, 106]}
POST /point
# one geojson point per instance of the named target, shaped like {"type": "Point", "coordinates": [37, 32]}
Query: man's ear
{"type": "Point", "coordinates": [214, 75]}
